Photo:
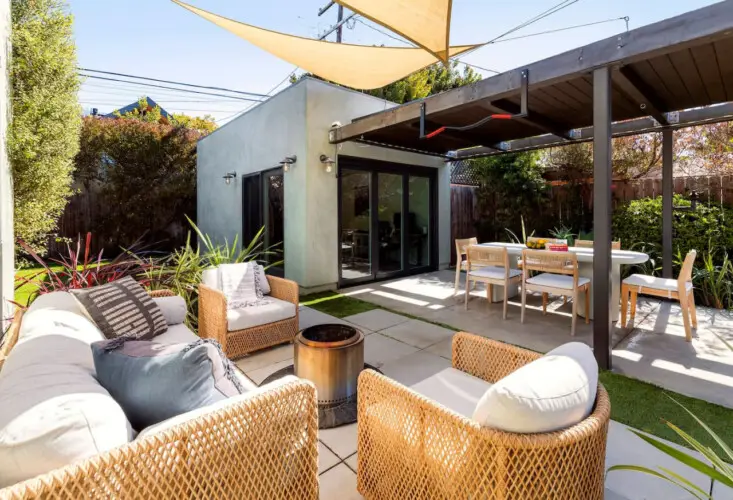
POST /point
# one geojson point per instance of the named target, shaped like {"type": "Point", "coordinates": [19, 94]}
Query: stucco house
{"type": "Point", "coordinates": [344, 214]}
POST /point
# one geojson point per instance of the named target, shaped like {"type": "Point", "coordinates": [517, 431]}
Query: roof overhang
{"type": "Point", "coordinates": [673, 73]}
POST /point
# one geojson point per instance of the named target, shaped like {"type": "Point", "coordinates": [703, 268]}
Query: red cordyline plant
{"type": "Point", "coordinates": [78, 269]}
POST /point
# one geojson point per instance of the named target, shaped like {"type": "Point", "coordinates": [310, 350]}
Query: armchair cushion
{"type": "Point", "coordinates": [251, 316]}
{"type": "Point", "coordinates": [453, 389]}
{"type": "Point", "coordinates": [551, 393]}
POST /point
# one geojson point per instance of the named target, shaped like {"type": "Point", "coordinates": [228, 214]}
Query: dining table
{"type": "Point", "coordinates": [585, 269]}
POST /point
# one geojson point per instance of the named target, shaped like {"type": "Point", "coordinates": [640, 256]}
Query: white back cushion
{"type": "Point", "coordinates": [551, 393]}
{"type": "Point", "coordinates": [210, 278]}
{"type": "Point", "coordinates": [173, 309]}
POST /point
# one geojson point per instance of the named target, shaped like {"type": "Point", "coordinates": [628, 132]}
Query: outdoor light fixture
{"type": "Point", "coordinates": [328, 162]}
{"type": "Point", "coordinates": [229, 176]}
{"type": "Point", "coordinates": [287, 161]}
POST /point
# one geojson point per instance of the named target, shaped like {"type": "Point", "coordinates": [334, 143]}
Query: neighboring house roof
{"type": "Point", "coordinates": [462, 172]}
{"type": "Point", "coordinates": [136, 105]}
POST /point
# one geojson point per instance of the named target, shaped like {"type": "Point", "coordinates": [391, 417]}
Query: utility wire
{"type": "Point", "coordinates": [125, 91]}
{"type": "Point", "coordinates": [625, 18]}
{"type": "Point", "coordinates": [169, 88]}
{"type": "Point", "coordinates": [234, 115]}
{"type": "Point", "coordinates": [172, 82]}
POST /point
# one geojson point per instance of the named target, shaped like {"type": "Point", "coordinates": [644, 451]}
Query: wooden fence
{"type": "Point", "coordinates": [710, 189]}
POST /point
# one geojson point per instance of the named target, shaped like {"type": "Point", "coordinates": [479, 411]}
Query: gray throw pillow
{"type": "Point", "coordinates": [122, 309]}
{"type": "Point", "coordinates": [153, 382]}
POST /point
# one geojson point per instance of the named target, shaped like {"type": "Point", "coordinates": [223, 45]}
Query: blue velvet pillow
{"type": "Point", "coordinates": [153, 382]}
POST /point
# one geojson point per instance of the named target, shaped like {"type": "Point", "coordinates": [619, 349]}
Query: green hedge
{"type": "Point", "coordinates": [640, 222]}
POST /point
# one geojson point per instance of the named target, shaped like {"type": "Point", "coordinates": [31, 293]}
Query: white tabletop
{"type": "Point", "coordinates": [584, 254]}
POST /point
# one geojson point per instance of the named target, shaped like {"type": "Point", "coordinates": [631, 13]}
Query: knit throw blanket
{"type": "Point", "coordinates": [240, 287]}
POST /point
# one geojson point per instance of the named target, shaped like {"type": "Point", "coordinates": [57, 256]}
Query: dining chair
{"type": "Point", "coordinates": [679, 289]}
{"type": "Point", "coordinates": [558, 275]}
{"type": "Point", "coordinates": [461, 246]}
{"type": "Point", "coordinates": [615, 245]}
{"type": "Point", "coordinates": [490, 265]}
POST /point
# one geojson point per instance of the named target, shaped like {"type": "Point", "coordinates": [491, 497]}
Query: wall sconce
{"type": "Point", "coordinates": [229, 176]}
{"type": "Point", "coordinates": [328, 162]}
{"type": "Point", "coordinates": [287, 161]}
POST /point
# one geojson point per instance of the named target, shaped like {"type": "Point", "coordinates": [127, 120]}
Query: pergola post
{"type": "Point", "coordinates": [667, 200]}
{"type": "Point", "coordinates": [602, 177]}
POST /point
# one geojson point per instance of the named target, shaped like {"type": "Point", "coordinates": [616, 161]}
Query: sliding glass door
{"type": "Point", "coordinates": [263, 205]}
{"type": "Point", "coordinates": [387, 220]}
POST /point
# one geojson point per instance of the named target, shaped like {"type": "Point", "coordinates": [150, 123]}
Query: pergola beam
{"type": "Point", "coordinates": [688, 118]}
{"type": "Point", "coordinates": [533, 119]}
{"type": "Point", "coordinates": [700, 26]}
{"type": "Point", "coordinates": [638, 91]}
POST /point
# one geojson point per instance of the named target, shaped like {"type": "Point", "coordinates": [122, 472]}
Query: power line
{"type": "Point", "coordinates": [120, 90]}
{"type": "Point", "coordinates": [625, 18]}
{"type": "Point", "coordinates": [235, 115]}
{"type": "Point", "coordinates": [172, 82]}
{"type": "Point", "coordinates": [169, 88]}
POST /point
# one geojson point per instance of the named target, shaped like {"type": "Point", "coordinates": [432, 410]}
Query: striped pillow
{"type": "Point", "coordinates": [122, 309]}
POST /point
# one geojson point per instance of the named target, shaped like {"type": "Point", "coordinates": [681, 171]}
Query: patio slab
{"type": "Point", "coordinates": [652, 349]}
{"type": "Point", "coordinates": [418, 333]}
{"type": "Point", "coordinates": [376, 320]}
{"type": "Point", "coordinates": [379, 349]}
{"type": "Point", "coordinates": [339, 483]}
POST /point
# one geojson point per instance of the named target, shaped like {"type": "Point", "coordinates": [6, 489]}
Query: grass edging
{"type": "Point", "coordinates": [635, 403]}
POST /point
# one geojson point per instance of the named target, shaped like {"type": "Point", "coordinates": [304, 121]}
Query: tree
{"type": "Point", "coordinates": [706, 147]}
{"type": "Point", "coordinates": [153, 114]}
{"type": "Point", "coordinates": [43, 136]}
{"type": "Point", "coordinates": [146, 174]}
{"type": "Point", "coordinates": [427, 81]}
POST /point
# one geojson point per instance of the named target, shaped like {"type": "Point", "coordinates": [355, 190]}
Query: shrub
{"type": "Point", "coordinates": [43, 136]}
{"type": "Point", "coordinates": [640, 222]}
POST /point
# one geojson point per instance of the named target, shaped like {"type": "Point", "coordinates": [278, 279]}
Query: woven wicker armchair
{"type": "Point", "coordinates": [410, 447]}
{"type": "Point", "coordinates": [213, 320]}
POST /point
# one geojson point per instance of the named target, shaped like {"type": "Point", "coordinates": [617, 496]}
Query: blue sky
{"type": "Point", "coordinates": [158, 39]}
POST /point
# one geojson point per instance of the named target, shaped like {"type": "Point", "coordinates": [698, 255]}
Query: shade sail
{"type": "Point", "coordinates": [355, 66]}
{"type": "Point", "coordinates": [424, 22]}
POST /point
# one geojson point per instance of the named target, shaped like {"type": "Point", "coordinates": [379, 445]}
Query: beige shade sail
{"type": "Point", "coordinates": [356, 66]}
{"type": "Point", "coordinates": [423, 22]}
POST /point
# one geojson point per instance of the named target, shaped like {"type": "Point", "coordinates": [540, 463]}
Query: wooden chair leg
{"type": "Point", "coordinates": [693, 309]}
{"type": "Point", "coordinates": [524, 300]}
{"type": "Point", "coordinates": [575, 312]}
{"type": "Point", "coordinates": [685, 306]}
{"type": "Point", "coordinates": [624, 304]}
{"type": "Point", "coordinates": [490, 292]}
{"type": "Point", "coordinates": [458, 275]}
{"type": "Point", "coordinates": [465, 300]}
{"type": "Point", "coordinates": [506, 298]}
{"type": "Point", "coordinates": [587, 304]}
{"type": "Point", "coordinates": [633, 305]}
{"type": "Point", "coordinates": [544, 303]}
{"type": "Point", "coordinates": [564, 300]}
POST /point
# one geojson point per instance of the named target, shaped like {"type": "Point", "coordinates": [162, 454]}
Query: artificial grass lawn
{"type": "Point", "coordinates": [635, 403]}
{"type": "Point", "coordinates": [23, 294]}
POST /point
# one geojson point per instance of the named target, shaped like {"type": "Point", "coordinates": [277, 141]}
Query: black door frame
{"type": "Point", "coordinates": [375, 167]}
{"type": "Point", "coordinates": [262, 211]}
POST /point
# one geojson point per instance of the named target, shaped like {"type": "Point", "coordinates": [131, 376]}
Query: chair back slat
{"type": "Point", "coordinates": [482, 256]}
{"type": "Point", "coordinates": [462, 245]}
{"type": "Point", "coordinates": [550, 262]}
{"type": "Point", "coordinates": [685, 275]}
{"type": "Point", "coordinates": [615, 245]}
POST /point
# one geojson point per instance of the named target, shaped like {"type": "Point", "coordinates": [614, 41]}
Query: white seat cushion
{"type": "Point", "coordinates": [454, 389]}
{"type": "Point", "coordinates": [556, 280]}
{"type": "Point", "coordinates": [494, 272]}
{"type": "Point", "coordinates": [664, 284]}
{"type": "Point", "coordinates": [52, 409]}
{"type": "Point", "coordinates": [247, 317]}
{"type": "Point", "coordinates": [551, 393]}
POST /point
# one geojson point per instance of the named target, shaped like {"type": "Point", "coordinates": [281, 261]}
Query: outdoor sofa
{"type": "Point", "coordinates": [418, 443]}
{"type": "Point", "coordinates": [62, 435]}
{"type": "Point", "coordinates": [243, 331]}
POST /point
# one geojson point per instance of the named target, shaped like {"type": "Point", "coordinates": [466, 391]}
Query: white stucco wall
{"type": "Point", "coordinates": [7, 259]}
{"type": "Point", "coordinates": [256, 141]}
{"type": "Point", "coordinates": [296, 122]}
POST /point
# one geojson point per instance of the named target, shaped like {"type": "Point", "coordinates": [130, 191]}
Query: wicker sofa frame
{"type": "Point", "coordinates": [265, 446]}
{"type": "Point", "coordinates": [213, 320]}
{"type": "Point", "coordinates": [410, 447]}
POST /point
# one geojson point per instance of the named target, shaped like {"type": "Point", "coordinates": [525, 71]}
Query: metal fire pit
{"type": "Point", "coordinates": [331, 356]}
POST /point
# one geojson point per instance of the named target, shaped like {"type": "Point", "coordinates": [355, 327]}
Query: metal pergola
{"type": "Point", "coordinates": [668, 75]}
